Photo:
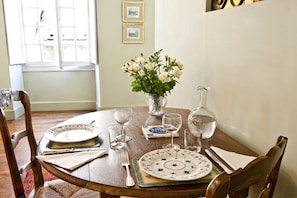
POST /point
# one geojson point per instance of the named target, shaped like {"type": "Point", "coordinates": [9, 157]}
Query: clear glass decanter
{"type": "Point", "coordinates": [202, 119]}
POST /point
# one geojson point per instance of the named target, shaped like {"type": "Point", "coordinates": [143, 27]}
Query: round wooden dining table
{"type": "Point", "coordinates": [107, 175]}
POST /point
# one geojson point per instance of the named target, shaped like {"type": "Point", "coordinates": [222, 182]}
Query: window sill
{"type": "Point", "coordinates": [58, 69]}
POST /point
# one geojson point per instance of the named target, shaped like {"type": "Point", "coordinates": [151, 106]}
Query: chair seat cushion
{"type": "Point", "coordinates": [61, 189]}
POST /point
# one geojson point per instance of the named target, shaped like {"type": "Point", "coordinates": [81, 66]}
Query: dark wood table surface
{"type": "Point", "coordinates": [107, 175]}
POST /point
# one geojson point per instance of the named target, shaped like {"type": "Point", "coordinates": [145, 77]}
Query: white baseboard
{"type": "Point", "coordinates": [57, 106]}
{"type": "Point", "coordinates": [51, 106]}
{"type": "Point", "coordinates": [15, 113]}
{"type": "Point", "coordinates": [63, 105]}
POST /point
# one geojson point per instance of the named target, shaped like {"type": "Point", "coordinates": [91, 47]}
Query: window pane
{"type": "Point", "coordinates": [82, 36]}
{"type": "Point", "coordinates": [46, 4]}
{"type": "Point", "coordinates": [67, 3]}
{"type": "Point", "coordinates": [30, 16]}
{"type": "Point", "coordinates": [29, 3]}
{"type": "Point", "coordinates": [81, 18]}
{"type": "Point", "coordinates": [48, 53]}
{"type": "Point", "coordinates": [68, 35]}
{"type": "Point", "coordinates": [81, 4]}
{"type": "Point", "coordinates": [68, 52]}
{"type": "Point", "coordinates": [33, 53]}
{"type": "Point", "coordinates": [67, 18]}
{"type": "Point", "coordinates": [31, 35]}
{"type": "Point", "coordinates": [82, 53]}
{"type": "Point", "coordinates": [68, 42]}
{"type": "Point", "coordinates": [46, 34]}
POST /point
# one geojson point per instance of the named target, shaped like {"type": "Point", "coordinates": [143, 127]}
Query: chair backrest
{"type": "Point", "coordinates": [219, 186]}
{"type": "Point", "coordinates": [263, 168]}
{"type": "Point", "coordinates": [10, 142]}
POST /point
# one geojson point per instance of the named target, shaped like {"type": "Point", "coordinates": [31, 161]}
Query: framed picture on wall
{"type": "Point", "coordinates": [133, 33]}
{"type": "Point", "coordinates": [133, 11]}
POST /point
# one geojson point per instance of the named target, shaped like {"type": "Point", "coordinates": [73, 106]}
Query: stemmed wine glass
{"type": "Point", "coordinates": [171, 122]}
{"type": "Point", "coordinates": [123, 117]}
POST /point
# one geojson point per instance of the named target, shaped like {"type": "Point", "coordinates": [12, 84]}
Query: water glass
{"type": "Point", "coordinates": [116, 140]}
{"type": "Point", "coordinates": [192, 141]}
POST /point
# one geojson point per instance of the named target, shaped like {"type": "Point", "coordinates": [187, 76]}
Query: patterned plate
{"type": "Point", "coordinates": [181, 165]}
{"type": "Point", "coordinates": [72, 133]}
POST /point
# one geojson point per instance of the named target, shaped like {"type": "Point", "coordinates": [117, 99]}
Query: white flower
{"type": "Point", "coordinates": [141, 73]}
{"type": "Point", "coordinates": [140, 60]}
{"type": "Point", "coordinates": [124, 68]}
{"type": "Point", "coordinates": [129, 68]}
{"type": "Point", "coordinates": [180, 66]}
{"type": "Point", "coordinates": [135, 67]}
{"type": "Point", "coordinates": [176, 72]}
{"type": "Point", "coordinates": [131, 74]}
{"type": "Point", "coordinates": [149, 66]}
{"type": "Point", "coordinates": [164, 77]}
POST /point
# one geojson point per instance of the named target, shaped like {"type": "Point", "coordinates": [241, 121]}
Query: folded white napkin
{"type": "Point", "coordinates": [235, 160]}
{"type": "Point", "coordinates": [156, 132]}
{"type": "Point", "coordinates": [71, 161]}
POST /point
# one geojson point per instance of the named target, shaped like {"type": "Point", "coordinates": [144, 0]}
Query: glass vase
{"type": "Point", "coordinates": [6, 96]}
{"type": "Point", "coordinates": [202, 119]}
{"type": "Point", "coordinates": [156, 104]}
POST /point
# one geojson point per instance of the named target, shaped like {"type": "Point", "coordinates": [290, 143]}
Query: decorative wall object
{"type": "Point", "coordinates": [132, 11]}
{"type": "Point", "coordinates": [133, 21]}
{"type": "Point", "coordinates": [133, 33]}
{"type": "Point", "coordinates": [222, 4]}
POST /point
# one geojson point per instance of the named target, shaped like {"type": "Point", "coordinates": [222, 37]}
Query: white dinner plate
{"type": "Point", "coordinates": [72, 133]}
{"type": "Point", "coordinates": [181, 165]}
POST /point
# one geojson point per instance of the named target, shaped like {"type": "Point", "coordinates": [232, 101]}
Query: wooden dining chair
{"type": "Point", "coordinates": [263, 168]}
{"type": "Point", "coordinates": [55, 188]}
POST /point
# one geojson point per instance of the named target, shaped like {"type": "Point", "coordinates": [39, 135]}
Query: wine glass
{"type": "Point", "coordinates": [171, 122]}
{"type": "Point", "coordinates": [123, 117]}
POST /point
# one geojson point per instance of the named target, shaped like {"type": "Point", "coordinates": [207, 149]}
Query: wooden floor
{"type": "Point", "coordinates": [41, 122]}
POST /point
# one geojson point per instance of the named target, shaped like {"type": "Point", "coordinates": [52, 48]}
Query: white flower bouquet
{"type": "Point", "coordinates": [151, 75]}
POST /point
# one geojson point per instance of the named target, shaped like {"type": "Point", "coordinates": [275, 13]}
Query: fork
{"type": "Point", "coordinates": [126, 163]}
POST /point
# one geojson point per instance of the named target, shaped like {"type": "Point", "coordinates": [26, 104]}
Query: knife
{"type": "Point", "coordinates": [223, 166]}
{"type": "Point", "coordinates": [70, 150]}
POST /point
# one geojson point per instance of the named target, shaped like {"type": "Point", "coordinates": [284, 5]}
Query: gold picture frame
{"type": "Point", "coordinates": [133, 33]}
{"type": "Point", "coordinates": [133, 11]}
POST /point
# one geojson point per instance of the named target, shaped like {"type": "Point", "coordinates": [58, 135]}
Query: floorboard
{"type": "Point", "coordinates": [41, 122]}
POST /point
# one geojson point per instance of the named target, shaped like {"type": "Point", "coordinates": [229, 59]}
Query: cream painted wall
{"type": "Point", "coordinates": [180, 31]}
{"type": "Point", "coordinates": [247, 55]}
{"type": "Point", "coordinates": [62, 90]}
{"type": "Point", "coordinates": [5, 79]}
{"type": "Point", "coordinates": [114, 84]}
{"type": "Point", "coordinates": [255, 82]}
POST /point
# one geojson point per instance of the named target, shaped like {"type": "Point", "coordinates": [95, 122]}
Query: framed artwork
{"type": "Point", "coordinates": [133, 33]}
{"type": "Point", "coordinates": [133, 11]}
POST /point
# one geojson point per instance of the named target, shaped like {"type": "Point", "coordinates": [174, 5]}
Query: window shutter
{"type": "Point", "coordinates": [14, 32]}
{"type": "Point", "coordinates": [93, 31]}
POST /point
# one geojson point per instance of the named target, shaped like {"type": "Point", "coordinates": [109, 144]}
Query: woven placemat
{"type": "Point", "coordinates": [146, 180]}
